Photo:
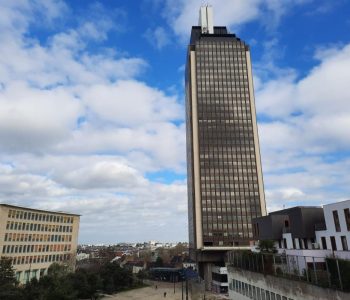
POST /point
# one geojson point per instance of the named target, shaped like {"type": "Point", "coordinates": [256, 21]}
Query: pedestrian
{"type": "Point", "coordinates": [164, 294]}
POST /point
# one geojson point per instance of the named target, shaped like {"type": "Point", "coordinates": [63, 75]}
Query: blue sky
{"type": "Point", "coordinates": [92, 107]}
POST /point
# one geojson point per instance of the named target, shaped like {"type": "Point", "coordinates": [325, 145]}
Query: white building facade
{"type": "Point", "coordinates": [336, 236]}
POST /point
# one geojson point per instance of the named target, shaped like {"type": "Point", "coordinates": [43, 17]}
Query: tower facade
{"type": "Point", "coordinates": [225, 183]}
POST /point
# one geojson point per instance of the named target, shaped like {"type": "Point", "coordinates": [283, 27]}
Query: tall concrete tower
{"type": "Point", "coordinates": [225, 182]}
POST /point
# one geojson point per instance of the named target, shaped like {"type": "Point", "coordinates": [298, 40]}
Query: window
{"type": "Point", "coordinates": [333, 243]}
{"type": "Point", "coordinates": [344, 243]}
{"type": "Point", "coordinates": [324, 243]}
{"type": "Point", "coordinates": [336, 220]}
{"type": "Point", "coordinates": [347, 218]}
{"type": "Point", "coordinates": [301, 243]}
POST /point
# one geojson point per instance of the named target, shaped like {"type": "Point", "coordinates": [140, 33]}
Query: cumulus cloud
{"type": "Point", "coordinates": [30, 119]}
{"type": "Point", "coordinates": [104, 174]}
{"type": "Point", "coordinates": [304, 131]}
{"type": "Point", "coordinates": [79, 131]}
{"type": "Point", "coordinates": [315, 107]}
{"type": "Point", "coordinates": [131, 103]}
{"type": "Point", "coordinates": [157, 37]}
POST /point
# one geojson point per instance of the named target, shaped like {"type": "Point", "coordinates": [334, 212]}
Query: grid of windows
{"type": "Point", "coordinates": [228, 172]}
{"type": "Point", "coordinates": [32, 237]}
{"type": "Point", "coordinates": [254, 292]}
{"type": "Point", "coordinates": [23, 226]}
{"type": "Point", "coordinates": [31, 248]}
{"type": "Point", "coordinates": [35, 216]}
{"type": "Point", "coordinates": [38, 259]}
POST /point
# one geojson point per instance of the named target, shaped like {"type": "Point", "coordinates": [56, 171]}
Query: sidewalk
{"type": "Point", "coordinates": [152, 293]}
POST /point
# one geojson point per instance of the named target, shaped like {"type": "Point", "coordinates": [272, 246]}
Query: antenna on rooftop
{"type": "Point", "coordinates": [206, 19]}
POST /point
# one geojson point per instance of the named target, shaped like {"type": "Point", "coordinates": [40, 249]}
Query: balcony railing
{"type": "Point", "coordinates": [322, 271]}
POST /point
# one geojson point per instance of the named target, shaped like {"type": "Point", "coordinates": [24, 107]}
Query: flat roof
{"type": "Point", "coordinates": [285, 210]}
{"type": "Point", "coordinates": [39, 210]}
{"type": "Point", "coordinates": [335, 203]}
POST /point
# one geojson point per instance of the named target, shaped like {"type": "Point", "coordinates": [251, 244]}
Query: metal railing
{"type": "Point", "coordinates": [327, 272]}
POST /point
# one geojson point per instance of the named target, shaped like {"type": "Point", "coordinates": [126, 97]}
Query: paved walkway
{"type": "Point", "coordinates": [151, 293]}
{"type": "Point", "coordinates": [154, 293]}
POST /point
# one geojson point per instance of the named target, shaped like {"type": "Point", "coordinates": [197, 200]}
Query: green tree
{"type": "Point", "coordinates": [115, 278]}
{"type": "Point", "coordinates": [267, 246]}
{"type": "Point", "coordinates": [159, 262]}
{"type": "Point", "coordinates": [8, 283]}
{"type": "Point", "coordinates": [56, 285]}
{"type": "Point", "coordinates": [7, 273]}
{"type": "Point", "coordinates": [86, 284]}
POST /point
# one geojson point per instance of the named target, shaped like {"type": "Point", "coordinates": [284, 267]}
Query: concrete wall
{"type": "Point", "coordinates": [282, 287]}
{"type": "Point", "coordinates": [328, 214]}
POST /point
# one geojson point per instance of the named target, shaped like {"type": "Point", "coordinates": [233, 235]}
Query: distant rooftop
{"type": "Point", "coordinates": [286, 210]}
{"type": "Point", "coordinates": [335, 203]}
{"type": "Point", "coordinates": [39, 210]}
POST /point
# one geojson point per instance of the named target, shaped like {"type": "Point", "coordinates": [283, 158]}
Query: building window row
{"type": "Point", "coordinates": [25, 215]}
{"type": "Point", "coordinates": [36, 248]}
{"type": "Point", "coordinates": [37, 259]}
{"type": "Point", "coordinates": [333, 243]}
{"type": "Point", "coordinates": [12, 225]}
{"type": "Point", "coordinates": [24, 237]}
{"type": "Point", "coordinates": [337, 222]}
{"type": "Point", "coordinates": [254, 292]}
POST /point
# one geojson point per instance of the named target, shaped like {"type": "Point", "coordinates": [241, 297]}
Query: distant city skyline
{"type": "Point", "coordinates": [92, 115]}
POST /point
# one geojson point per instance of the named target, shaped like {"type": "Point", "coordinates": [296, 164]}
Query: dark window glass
{"type": "Point", "coordinates": [324, 243]}
{"type": "Point", "coordinates": [347, 218]}
{"type": "Point", "coordinates": [336, 220]}
{"type": "Point", "coordinates": [333, 243]}
{"type": "Point", "coordinates": [344, 243]}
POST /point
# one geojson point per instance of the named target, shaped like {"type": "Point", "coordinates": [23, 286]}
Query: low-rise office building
{"type": "Point", "coordinates": [34, 239]}
{"type": "Point", "coordinates": [308, 231]}
{"type": "Point", "coordinates": [311, 260]}
{"type": "Point", "coordinates": [335, 235]}
{"type": "Point", "coordinates": [291, 228]}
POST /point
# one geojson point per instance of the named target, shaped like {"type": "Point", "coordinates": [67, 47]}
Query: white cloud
{"type": "Point", "coordinates": [104, 175]}
{"type": "Point", "coordinates": [131, 103]}
{"type": "Point", "coordinates": [157, 37]}
{"type": "Point", "coordinates": [33, 119]}
{"type": "Point", "coordinates": [315, 107]}
{"type": "Point", "coordinates": [304, 131]}
{"type": "Point", "coordinates": [79, 131]}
